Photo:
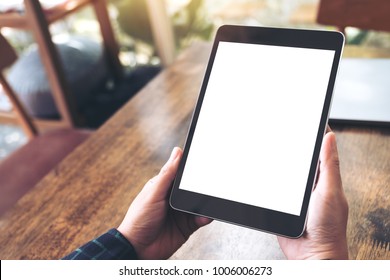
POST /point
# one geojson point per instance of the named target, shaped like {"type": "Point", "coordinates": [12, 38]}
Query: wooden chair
{"type": "Point", "coordinates": [25, 167]}
{"type": "Point", "coordinates": [37, 20]}
{"type": "Point", "coordinates": [363, 14]}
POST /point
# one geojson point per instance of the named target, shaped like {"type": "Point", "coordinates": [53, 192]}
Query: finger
{"type": "Point", "coordinates": [169, 168]}
{"type": "Point", "coordinates": [161, 183]}
{"type": "Point", "coordinates": [189, 223]}
{"type": "Point", "coordinates": [330, 164]}
{"type": "Point", "coordinates": [328, 129]}
{"type": "Point", "coordinates": [202, 221]}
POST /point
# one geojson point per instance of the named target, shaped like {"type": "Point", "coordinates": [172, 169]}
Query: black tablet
{"type": "Point", "coordinates": [253, 145]}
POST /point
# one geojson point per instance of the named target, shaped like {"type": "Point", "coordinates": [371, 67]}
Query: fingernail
{"type": "Point", "coordinates": [174, 154]}
{"type": "Point", "coordinates": [333, 142]}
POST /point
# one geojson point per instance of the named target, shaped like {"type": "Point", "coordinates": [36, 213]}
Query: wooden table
{"type": "Point", "coordinates": [89, 192]}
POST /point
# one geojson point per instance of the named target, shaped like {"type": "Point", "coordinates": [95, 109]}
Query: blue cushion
{"type": "Point", "coordinates": [84, 66]}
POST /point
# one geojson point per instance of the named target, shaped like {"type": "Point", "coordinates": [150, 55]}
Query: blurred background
{"type": "Point", "coordinates": [190, 21]}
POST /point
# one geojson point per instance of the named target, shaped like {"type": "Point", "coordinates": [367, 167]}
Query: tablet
{"type": "Point", "coordinates": [252, 149]}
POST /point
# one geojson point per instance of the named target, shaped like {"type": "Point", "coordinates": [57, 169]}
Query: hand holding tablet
{"type": "Point", "coordinates": [252, 150]}
{"type": "Point", "coordinates": [156, 231]}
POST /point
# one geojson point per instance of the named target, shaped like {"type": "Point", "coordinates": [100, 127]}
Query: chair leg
{"type": "Point", "coordinates": [64, 100]}
{"type": "Point", "coordinates": [25, 120]}
{"type": "Point", "coordinates": [110, 44]}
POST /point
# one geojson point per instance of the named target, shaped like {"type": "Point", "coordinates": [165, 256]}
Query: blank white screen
{"type": "Point", "coordinates": [256, 131]}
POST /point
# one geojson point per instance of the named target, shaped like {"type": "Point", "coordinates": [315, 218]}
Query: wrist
{"type": "Point", "coordinates": [334, 252]}
{"type": "Point", "coordinates": [127, 233]}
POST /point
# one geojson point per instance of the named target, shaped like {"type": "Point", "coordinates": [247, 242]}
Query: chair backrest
{"type": "Point", "coordinates": [363, 14]}
{"type": "Point", "coordinates": [7, 58]}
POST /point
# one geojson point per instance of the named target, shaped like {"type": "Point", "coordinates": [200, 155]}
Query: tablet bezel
{"type": "Point", "coordinates": [243, 214]}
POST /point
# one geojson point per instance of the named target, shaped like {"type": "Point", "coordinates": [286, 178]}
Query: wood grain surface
{"type": "Point", "coordinates": [90, 191]}
{"type": "Point", "coordinates": [365, 168]}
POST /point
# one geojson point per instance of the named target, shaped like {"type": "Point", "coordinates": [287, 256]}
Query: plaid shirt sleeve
{"type": "Point", "coordinates": [110, 246]}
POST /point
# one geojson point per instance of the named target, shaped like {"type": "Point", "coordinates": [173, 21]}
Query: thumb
{"type": "Point", "coordinates": [329, 162]}
{"type": "Point", "coordinates": [161, 184]}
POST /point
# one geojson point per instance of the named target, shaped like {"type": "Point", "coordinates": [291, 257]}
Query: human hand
{"type": "Point", "coordinates": [325, 235]}
{"type": "Point", "coordinates": [154, 229]}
